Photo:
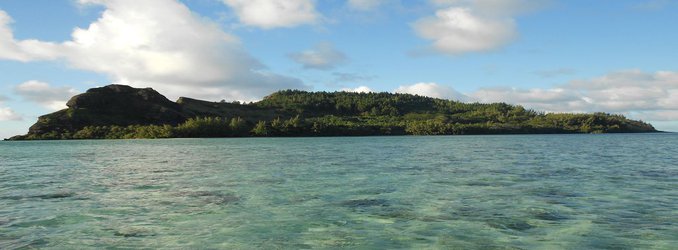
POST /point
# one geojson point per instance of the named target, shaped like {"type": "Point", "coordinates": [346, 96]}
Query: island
{"type": "Point", "coordinates": [124, 112]}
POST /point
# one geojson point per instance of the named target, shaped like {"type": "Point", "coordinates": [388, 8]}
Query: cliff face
{"type": "Point", "coordinates": [111, 105]}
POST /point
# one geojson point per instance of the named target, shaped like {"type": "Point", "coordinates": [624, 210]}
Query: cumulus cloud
{"type": "Point", "coordinates": [463, 26]}
{"type": "Point", "coordinates": [495, 8]}
{"type": "Point", "coordinates": [359, 89]}
{"type": "Point", "coordinates": [7, 114]}
{"type": "Point", "coordinates": [641, 95]}
{"type": "Point", "coordinates": [631, 90]}
{"type": "Point", "coordinates": [323, 56]}
{"type": "Point", "coordinates": [25, 50]}
{"type": "Point", "coordinates": [637, 94]}
{"type": "Point", "coordinates": [431, 89]}
{"type": "Point", "coordinates": [50, 97]}
{"type": "Point", "coordinates": [364, 5]}
{"type": "Point", "coordinates": [160, 44]}
{"type": "Point", "coordinates": [268, 14]}
{"type": "Point", "coordinates": [552, 100]}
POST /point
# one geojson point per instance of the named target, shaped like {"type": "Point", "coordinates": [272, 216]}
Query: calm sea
{"type": "Point", "coordinates": [516, 191]}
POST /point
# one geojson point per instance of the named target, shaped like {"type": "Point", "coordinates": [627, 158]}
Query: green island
{"type": "Point", "coordinates": [123, 112]}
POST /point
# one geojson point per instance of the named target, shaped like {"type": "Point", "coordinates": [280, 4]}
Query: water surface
{"type": "Point", "coordinates": [505, 192]}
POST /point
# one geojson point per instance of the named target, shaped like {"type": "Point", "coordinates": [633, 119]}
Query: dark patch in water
{"type": "Point", "coordinates": [397, 213]}
{"type": "Point", "coordinates": [378, 191]}
{"type": "Point", "coordinates": [13, 197]}
{"type": "Point", "coordinates": [276, 181]}
{"type": "Point", "coordinates": [556, 193]}
{"type": "Point", "coordinates": [51, 222]}
{"type": "Point", "coordinates": [478, 184]}
{"type": "Point", "coordinates": [32, 244]}
{"type": "Point", "coordinates": [148, 187]}
{"type": "Point", "coordinates": [548, 215]}
{"type": "Point", "coordinates": [59, 195]}
{"type": "Point", "coordinates": [5, 221]}
{"type": "Point", "coordinates": [467, 211]}
{"type": "Point", "coordinates": [438, 218]}
{"type": "Point", "coordinates": [129, 233]}
{"type": "Point", "coordinates": [214, 197]}
{"type": "Point", "coordinates": [512, 224]}
{"type": "Point", "coordinates": [365, 203]}
{"type": "Point", "coordinates": [303, 199]}
{"type": "Point", "coordinates": [163, 171]}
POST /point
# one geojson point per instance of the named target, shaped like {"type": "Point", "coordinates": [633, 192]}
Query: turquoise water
{"type": "Point", "coordinates": [460, 192]}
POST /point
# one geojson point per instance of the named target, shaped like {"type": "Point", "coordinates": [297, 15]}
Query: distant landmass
{"type": "Point", "coordinates": [123, 112]}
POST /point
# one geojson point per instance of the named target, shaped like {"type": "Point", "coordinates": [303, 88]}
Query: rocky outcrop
{"type": "Point", "coordinates": [111, 105]}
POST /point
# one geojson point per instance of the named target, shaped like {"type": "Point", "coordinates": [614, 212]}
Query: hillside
{"type": "Point", "coordinates": [118, 111]}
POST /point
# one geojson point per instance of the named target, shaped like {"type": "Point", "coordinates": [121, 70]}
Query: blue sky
{"type": "Point", "coordinates": [559, 56]}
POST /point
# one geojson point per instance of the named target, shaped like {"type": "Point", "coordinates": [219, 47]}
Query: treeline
{"type": "Point", "coordinates": [387, 104]}
{"type": "Point", "coordinates": [330, 125]}
{"type": "Point", "coordinates": [200, 127]}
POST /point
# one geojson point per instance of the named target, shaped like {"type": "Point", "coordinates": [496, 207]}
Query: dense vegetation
{"type": "Point", "coordinates": [300, 113]}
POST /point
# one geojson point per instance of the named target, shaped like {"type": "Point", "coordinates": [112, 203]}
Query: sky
{"type": "Point", "coordinates": [615, 56]}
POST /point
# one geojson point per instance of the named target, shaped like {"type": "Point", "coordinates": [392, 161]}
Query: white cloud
{"type": "Point", "coordinates": [638, 94]}
{"type": "Point", "coordinates": [551, 100]}
{"type": "Point", "coordinates": [431, 89]}
{"type": "Point", "coordinates": [464, 26]}
{"type": "Point", "coordinates": [7, 114]}
{"type": "Point", "coordinates": [634, 93]}
{"type": "Point", "coordinates": [25, 50]}
{"type": "Point", "coordinates": [631, 90]}
{"type": "Point", "coordinates": [495, 8]}
{"type": "Point", "coordinates": [161, 44]}
{"type": "Point", "coordinates": [661, 115]}
{"type": "Point", "coordinates": [53, 98]}
{"type": "Point", "coordinates": [323, 56]}
{"type": "Point", "coordinates": [459, 30]}
{"type": "Point", "coordinates": [268, 14]}
{"type": "Point", "coordinates": [359, 89]}
{"type": "Point", "coordinates": [364, 5]}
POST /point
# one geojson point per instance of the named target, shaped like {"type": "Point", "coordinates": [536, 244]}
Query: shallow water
{"type": "Point", "coordinates": [503, 192]}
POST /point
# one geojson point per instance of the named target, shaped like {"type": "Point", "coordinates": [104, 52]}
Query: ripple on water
{"type": "Point", "coordinates": [466, 192]}
{"type": "Point", "coordinates": [547, 214]}
{"type": "Point", "coordinates": [213, 197]}
{"type": "Point", "coordinates": [134, 232]}
{"type": "Point", "coordinates": [509, 223]}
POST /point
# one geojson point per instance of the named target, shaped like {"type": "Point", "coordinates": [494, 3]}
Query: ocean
{"type": "Point", "coordinates": [607, 191]}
